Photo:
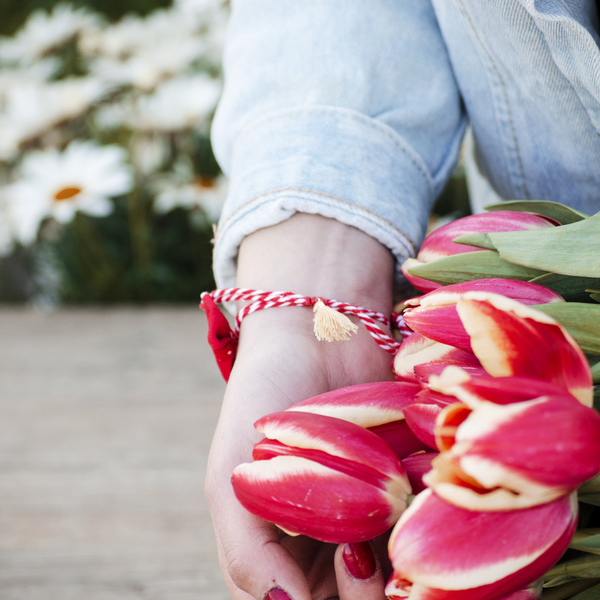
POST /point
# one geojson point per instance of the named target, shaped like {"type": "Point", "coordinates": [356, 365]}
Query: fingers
{"type": "Point", "coordinates": [252, 559]}
{"type": "Point", "coordinates": [358, 573]}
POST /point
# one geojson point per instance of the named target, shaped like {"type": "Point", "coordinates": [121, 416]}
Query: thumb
{"type": "Point", "coordinates": [253, 560]}
{"type": "Point", "coordinates": [358, 573]}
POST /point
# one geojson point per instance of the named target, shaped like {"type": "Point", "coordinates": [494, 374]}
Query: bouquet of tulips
{"type": "Point", "coordinates": [484, 454]}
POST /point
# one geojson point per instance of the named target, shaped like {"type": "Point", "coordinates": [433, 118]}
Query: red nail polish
{"type": "Point", "coordinates": [276, 594]}
{"type": "Point", "coordinates": [359, 560]}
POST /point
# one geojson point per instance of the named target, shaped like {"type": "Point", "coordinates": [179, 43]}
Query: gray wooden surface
{"type": "Point", "coordinates": [106, 417]}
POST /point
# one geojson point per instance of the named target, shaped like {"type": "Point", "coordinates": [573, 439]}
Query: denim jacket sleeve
{"type": "Point", "coordinates": [344, 108]}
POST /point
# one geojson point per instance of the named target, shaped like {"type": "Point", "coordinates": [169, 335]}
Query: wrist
{"type": "Point", "coordinates": [316, 256]}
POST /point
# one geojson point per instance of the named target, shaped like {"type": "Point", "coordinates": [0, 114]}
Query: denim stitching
{"type": "Point", "coordinates": [298, 189]}
{"type": "Point", "coordinates": [591, 45]}
{"type": "Point", "coordinates": [509, 112]}
{"type": "Point", "coordinates": [363, 121]}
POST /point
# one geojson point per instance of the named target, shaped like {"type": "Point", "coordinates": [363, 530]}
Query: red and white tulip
{"type": "Point", "coordinates": [377, 406]}
{"type": "Point", "coordinates": [322, 477]}
{"type": "Point", "coordinates": [511, 339]}
{"type": "Point", "coordinates": [443, 552]}
{"type": "Point", "coordinates": [439, 244]}
{"type": "Point", "coordinates": [435, 316]}
{"type": "Point", "coordinates": [513, 455]}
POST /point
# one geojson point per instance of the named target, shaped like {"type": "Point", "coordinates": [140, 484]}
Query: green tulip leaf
{"type": "Point", "coordinates": [586, 542]}
{"type": "Point", "coordinates": [592, 593]}
{"type": "Point", "coordinates": [590, 487]}
{"type": "Point", "coordinates": [477, 240]}
{"type": "Point", "coordinates": [584, 566]}
{"type": "Point", "coordinates": [595, 297]}
{"type": "Point", "coordinates": [470, 266]}
{"type": "Point", "coordinates": [593, 499]}
{"type": "Point", "coordinates": [572, 289]}
{"type": "Point", "coordinates": [595, 372]}
{"type": "Point", "coordinates": [568, 589]}
{"type": "Point", "coordinates": [572, 249]}
{"type": "Point", "coordinates": [560, 580]}
{"type": "Point", "coordinates": [563, 214]}
{"type": "Point", "coordinates": [581, 320]}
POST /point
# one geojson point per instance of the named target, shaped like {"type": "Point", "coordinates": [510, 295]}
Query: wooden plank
{"type": "Point", "coordinates": [107, 420]}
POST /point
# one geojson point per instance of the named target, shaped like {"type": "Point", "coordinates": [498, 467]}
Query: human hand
{"type": "Point", "coordinates": [279, 363]}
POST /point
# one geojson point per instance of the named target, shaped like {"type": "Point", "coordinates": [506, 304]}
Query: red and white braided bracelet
{"type": "Point", "coordinates": [330, 322]}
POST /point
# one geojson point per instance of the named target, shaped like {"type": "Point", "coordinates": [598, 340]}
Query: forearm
{"type": "Point", "coordinates": [280, 362]}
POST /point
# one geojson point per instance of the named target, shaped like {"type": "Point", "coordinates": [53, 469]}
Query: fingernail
{"type": "Point", "coordinates": [359, 560]}
{"type": "Point", "coordinates": [276, 594]}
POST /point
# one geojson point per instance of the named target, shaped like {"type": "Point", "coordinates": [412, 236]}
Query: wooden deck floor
{"type": "Point", "coordinates": [106, 417]}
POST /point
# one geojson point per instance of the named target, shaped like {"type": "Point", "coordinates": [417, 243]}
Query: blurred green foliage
{"type": "Point", "coordinates": [168, 260]}
{"type": "Point", "coordinates": [13, 13]}
{"type": "Point", "coordinates": [134, 254]}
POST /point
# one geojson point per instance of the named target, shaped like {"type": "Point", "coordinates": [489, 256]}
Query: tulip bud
{"type": "Point", "coordinates": [511, 339]}
{"type": "Point", "coordinates": [434, 315]}
{"type": "Point", "coordinates": [439, 244]}
{"type": "Point", "coordinates": [323, 477]}
{"type": "Point", "coordinates": [443, 552]}
{"type": "Point", "coordinates": [377, 406]}
{"type": "Point", "coordinates": [514, 455]}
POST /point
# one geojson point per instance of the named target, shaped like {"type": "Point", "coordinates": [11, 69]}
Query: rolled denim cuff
{"type": "Point", "coordinates": [334, 162]}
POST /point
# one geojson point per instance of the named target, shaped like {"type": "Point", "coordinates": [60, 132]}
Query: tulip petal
{"type": "Point", "coordinates": [524, 291]}
{"type": "Point", "coordinates": [429, 396]}
{"type": "Point", "coordinates": [499, 390]}
{"type": "Point", "coordinates": [421, 420]}
{"type": "Point", "coordinates": [424, 371]}
{"type": "Point", "coordinates": [399, 438]}
{"type": "Point", "coordinates": [434, 315]}
{"type": "Point", "coordinates": [417, 349]}
{"type": "Point", "coordinates": [439, 323]}
{"type": "Point", "coordinates": [397, 587]}
{"type": "Point", "coordinates": [335, 437]}
{"type": "Point", "coordinates": [531, 592]}
{"type": "Point", "coordinates": [552, 441]}
{"type": "Point", "coordinates": [307, 498]}
{"type": "Point", "coordinates": [488, 592]}
{"type": "Point", "coordinates": [482, 555]}
{"type": "Point", "coordinates": [439, 243]}
{"type": "Point", "coordinates": [367, 404]}
{"type": "Point", "coordinates": [512, 339]}
{"type": "Point", "coordinates": [267, 449]}
{"type": "Point", "coordinates": [416, 466]}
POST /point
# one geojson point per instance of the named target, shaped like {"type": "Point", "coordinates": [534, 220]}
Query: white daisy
{"type": "Point", "coordinates": [198, 6]}
{"type": "Point", "coordinates": [56, 184]}
{"type": "Point", "coordinates": [182, 103]}
{"type": "Point", "coordinates": [44, 31]}
{"type": "Point", "coordinates": [28, 110]}
{"type": "Point", "coordinates": [133, 34]}
{"type": "Point", "coordinates": [146, 69]}
{"type": "Point", "coordinates": [149, 151]}
{"type": "Point", "coordinates": [37, 73]}
{"type": "Point", "coordinates": [206, 194]}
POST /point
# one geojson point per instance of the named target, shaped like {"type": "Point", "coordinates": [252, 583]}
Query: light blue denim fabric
{"type": "Point", "coordinates": [355, 110]}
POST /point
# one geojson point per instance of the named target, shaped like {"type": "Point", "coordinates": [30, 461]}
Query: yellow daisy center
{"type": "Point", "coordinates": [204, 182]}
{"type": "Point", "coordinates": [67, 193]}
